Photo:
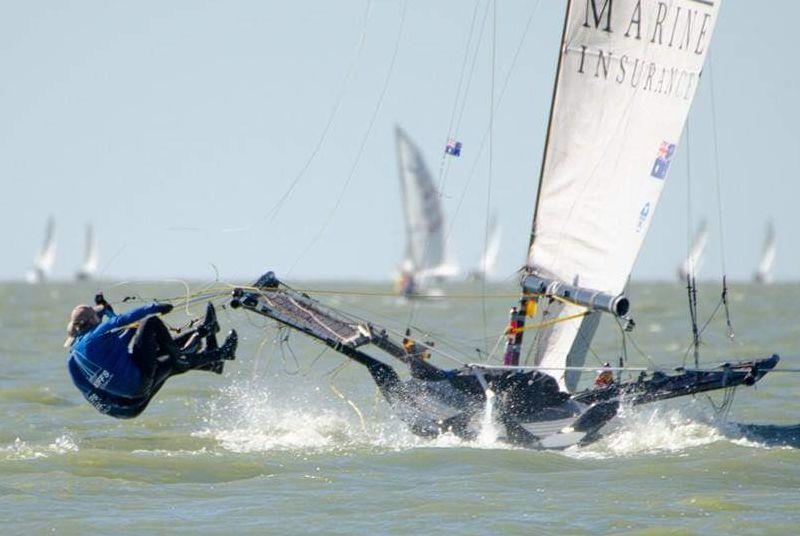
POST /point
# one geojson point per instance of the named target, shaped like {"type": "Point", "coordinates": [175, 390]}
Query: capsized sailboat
{"type": "Point", "coordinates": [91, 259]}
{"type": "Point", "coordinates": [694, 259]}
{"type": "Point", "coordinates": [43, 263]}
{"type": "Point", "coordinates": [627, 74]}
{"type": "Point", "coordinates": [764, 272]}
{"type": "Point", "coordinates": [425, 259]}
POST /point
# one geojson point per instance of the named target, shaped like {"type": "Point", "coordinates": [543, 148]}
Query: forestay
{"type": "Point", "coordinates": [627, 75]}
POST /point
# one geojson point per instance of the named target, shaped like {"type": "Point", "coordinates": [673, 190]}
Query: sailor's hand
{"type": "Point", "coordinates": [99, 299]}
{"type": "Point", "coordinates": [164, 308]}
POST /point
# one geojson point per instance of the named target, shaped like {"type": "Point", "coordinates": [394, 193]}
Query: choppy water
{"type": "Point", "coordinates": [270, 447]}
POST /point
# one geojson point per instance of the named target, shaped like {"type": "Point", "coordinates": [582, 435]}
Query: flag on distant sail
{"type": "Point", "coordinates": [453, 147]}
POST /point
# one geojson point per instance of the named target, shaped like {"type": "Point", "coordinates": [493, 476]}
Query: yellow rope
{"type": "Point", "coordinates": [547, 323]}
{"type": "Point", "coordinates": [338, 393]}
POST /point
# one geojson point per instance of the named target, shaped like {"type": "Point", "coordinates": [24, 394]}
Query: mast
{"type": "Point", "coordinates": [549, 128]}
{"type": "Point", "coordinates": [527, 307]}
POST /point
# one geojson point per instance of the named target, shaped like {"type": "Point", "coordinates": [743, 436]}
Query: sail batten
{"type": "Point", "coordinates": [627, 74]}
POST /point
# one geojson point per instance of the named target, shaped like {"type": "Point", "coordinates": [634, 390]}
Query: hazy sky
{"type": "Point", "coordinates": [176, 126]}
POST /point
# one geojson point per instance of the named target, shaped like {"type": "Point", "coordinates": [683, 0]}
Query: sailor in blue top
{"type": "Point", "coordinates": [119, 367]}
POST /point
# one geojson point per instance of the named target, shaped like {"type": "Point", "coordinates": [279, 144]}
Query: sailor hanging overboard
{"type": "Point", "coordinates": [453, 147]}
{"type": "Point", "coordinates": [119, 381]}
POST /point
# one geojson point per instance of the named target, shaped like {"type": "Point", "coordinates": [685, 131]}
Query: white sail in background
{"type": "Point", "coordinates": [489, 260]}
{"type": "Point", "coordinates": [694, 260]}
{"type": "Point", "coordinates": [91, 259]}
{"type": "Point", "coordinates": [425, 255]}
{"type": "Point", "coordinates": [627, 75]}
{"type": "Point", "coordinates": [43, 263]}
{"type": "Point", "coordinates": [488, 263]}
{"type": "Point", "coordinates": [764, 272]}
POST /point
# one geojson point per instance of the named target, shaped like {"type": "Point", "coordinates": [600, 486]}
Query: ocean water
{"type": "Point", "coordinates": [294, 440]}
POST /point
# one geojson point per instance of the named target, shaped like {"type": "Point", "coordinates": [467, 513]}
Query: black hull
{"type": "Point", "coordinates": [528, 404]}
{"type": "Point", "coordinates": [662, 386]}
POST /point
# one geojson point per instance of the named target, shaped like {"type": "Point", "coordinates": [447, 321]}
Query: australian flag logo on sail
{"type": "Point", "coordinates": [661, 165]}
{"type": "Point", "coordinates": [453, 147]}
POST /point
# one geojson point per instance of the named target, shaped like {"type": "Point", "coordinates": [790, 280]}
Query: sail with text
{"type": "Point", "coordinates": [628, 72]}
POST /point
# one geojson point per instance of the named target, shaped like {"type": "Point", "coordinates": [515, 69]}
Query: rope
{"type": "Point", "coordinates": [349, 402]}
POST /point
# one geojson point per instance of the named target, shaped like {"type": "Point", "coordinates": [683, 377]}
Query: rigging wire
{"type": "Point", "coordinates": [444, 165]}
{"type": "Point", "coordinates": [363, 143]}
{"type": "Point", "coordinates": [491, 162]}
{"type": "Point", "coordinates": [467, 48]}
{"type": "Point", "coordinates": [331, 116]}
{"type": "Point", "coordinates": [499, 101]}
{"type": "Point", "coordinates": [718, 181]}
{"type": "Point", "coordinates": [691, 281]}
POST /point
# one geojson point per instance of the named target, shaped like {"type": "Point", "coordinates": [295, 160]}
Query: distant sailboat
{"type": "Point", "coordinates": [694, 261]}
{"type": "Point", "coordinates": [43, 263]}
{"type": "Point", "coordinates": [764, 272]}
{"type": "Point", "coordinates": [426, 252]}
{"type": "Point", "coordinates": [488, 263]}
{"type": "Point", "coordinates": [91, 259]}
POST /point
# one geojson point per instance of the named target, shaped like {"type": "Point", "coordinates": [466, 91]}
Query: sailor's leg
{"type": "Point", "coordinates": [190, 340]}
{"type": "Point", "coordinates": [207, 359]}
{"type": "Point", "coordinates": [153, 337]}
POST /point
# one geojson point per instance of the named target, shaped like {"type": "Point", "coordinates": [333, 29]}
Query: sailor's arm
{"type": "Point", "coordinates": [134, 315]}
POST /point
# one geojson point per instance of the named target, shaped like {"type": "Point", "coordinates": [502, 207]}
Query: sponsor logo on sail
{"type": "Point", "coordinates": [661, 165]}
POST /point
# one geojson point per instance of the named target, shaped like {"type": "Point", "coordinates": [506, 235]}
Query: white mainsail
{"type": "Point", "coordinates": [92, 257]}
{"type": "Point", "coordinates": [764, 272]}
{"type": "Point", "coordinates": [425, 254]}
{"type": "Point", "coordinates": [694, 259]}
{"type": "Point", "coordinates": [43, 263]}
{"type": "Point", "coordinates": [628, 71]}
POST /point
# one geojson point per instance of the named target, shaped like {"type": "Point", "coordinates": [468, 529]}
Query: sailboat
{"type": "Point", "coordinates": [625, 81]}
{"type": "Point", "coordinates": [43, 263]}
{"type": "Point", "coordinates": [425, 259]}
{"type": "Point", "coordinates": [764, 272]}
{"type": "Point", "coordinates": [694, 260]}
{"type": "Point", "coordinates": [486, 266]}
{"type": "Point", "coordinates": [91, 258]}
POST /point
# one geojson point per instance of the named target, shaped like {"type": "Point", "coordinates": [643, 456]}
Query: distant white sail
{"type": "Point", "coordinates": [764, 272]}
{"type": "Point", "coordinates": [488, 263]}
{"type": "Point", "coordinates": [694, 260]}
{"type": "Point", "coordinates": [43, 263]}
{"type": "Point", "coordinates": [628, 72]}
{"type": "Point", "coordinates": [425, 254]}
{"type": "Point", "coordinates": [91, 258]}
